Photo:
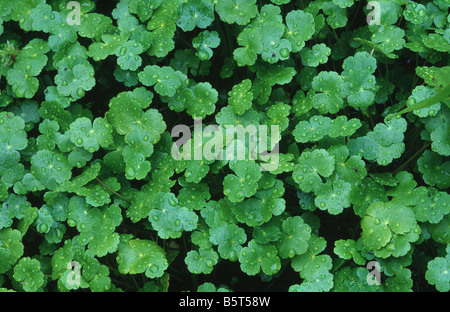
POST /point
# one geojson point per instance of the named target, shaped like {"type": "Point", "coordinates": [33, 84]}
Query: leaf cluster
{"type": "Point", "coordinates": [344, 158]}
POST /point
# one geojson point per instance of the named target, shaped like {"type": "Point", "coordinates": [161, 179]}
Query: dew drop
{"type": "Point", "coordinates": [284, 53]}
{"type": "Point", "coordinates": [122, 51]}
{"type": "Point", "coordinates": [80, 92]}
{"type": "Point", "coordinates": [43, 228]}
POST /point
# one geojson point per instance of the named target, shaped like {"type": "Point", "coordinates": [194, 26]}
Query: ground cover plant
{"type": "Point", "coordinates": [354, 97]}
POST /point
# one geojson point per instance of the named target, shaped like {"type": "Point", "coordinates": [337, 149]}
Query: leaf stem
{"type": "Point", "coordinates": [135, 282]}
{"type": "Point", "coordinates": [112, 191]}
{"type": "Point", "coordinates": [303, 5]}
{"type": "Point", "coordinates": [341, 262]}
{"type": "Point", "coordinates": [39, 233]}
{"type": "Point", "coordinates": [186, 42]}
{"type": "Point", "coordinates": [416, 77]}
{"type": "Point", "coordinates": [366, 119]}
{"type": "Point", "coordinates": [441, 95]}
{"type": "Point", "coordinates": [355, 16]}
{"type": "Point", "coordinates": [370, 118]}
{"type": "Point", "coordinates": [214, 180]}
{"type": "Point", "coordinates": [410, 159]}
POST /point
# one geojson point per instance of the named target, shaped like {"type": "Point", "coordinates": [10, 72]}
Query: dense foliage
{"type": "Point", "coordinates": [91, 197]}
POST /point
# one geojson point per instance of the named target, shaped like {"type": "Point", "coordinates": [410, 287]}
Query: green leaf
{"type": "Point", "coordinates": [279, 2]}
{"type": "Point", "coordinates": [47, 140]}
{"type": "Point", "coordinates": [169, 219]}
{"type": "Point", "coordinates": [312, 264]}
{"type": "Point", "coordinates": [196, 13]}
{"type": "Point", "coordinates": [344, 3]}
{"type": "Point", "coordinates": [437, 42]}
{"type": "Point", "coordinates": [415, 13]}
{"type": "Point", "coordinates": [261, 207]}
{"type": "Point", "coordinates": [319, 126]}
{"type": "Point", "coordinates": [96, 195]}
{"type": "Point", "coordinates": [242, 184]}
{"type": "Point", "coordinates": [14, 207]}
{"type": "Point", "coordinates": [193, 195]}
{"type": "Point", "coordinates": [142, 201]}
{"type": "Point", "coordinates": [163, 26]}
{"type": "Point", "coordinates": [229, 238]}
{"type": "Point", "coordinates": [300, 28]}
{"type": "Point", "coordinates": [209, 287]}
{"type": "Point", "coordinates": [236, 11]}
{"type": "Point", "coordinates": [81, 180]}
{"type": "Point", "coordinates": [14, 137]}
{"type": "Point", "coordinates": [61, 34]}
{"type": "Point", "coordinates": [111, 43]}
{"type": "Point", "coordinates": [318, 54]}
{"type": "Point", "coordinates": [429, 103]}
{"type": "Point", "coordinates": [294, 238]}
{"type": "Point", "coordinates": [141, 129]}
{"type": "Point", "coordinates": [322, 283]}
{"type": "Point", "coordinates": [439, 231]}
{"type": "Point", "coordinates": [349, 279]}
{"type": "Point", "coordinates": [128, 55]}
{"type": "Point", "coordinates": [33, 56]}
{"type": "Point", "coordinates": [75, 81]}
{"type": "Point", "coordinates": [421, 93]}
{"type": "Point", "coordinates": [432, 206]}
{"type": "Point", "coordinates": [44, 221]}
{"type": "Point", "coordinates": [54, 110]}
{"type": "Point", "coordinates": [202, 261]}
{"type": "Point", "coordinates": [301, 104]}
{"type": "Point", "coordinates": [94, 25]}
{"type": "Point", "coordinates": [438, 127]}
{"type": "Point", "coordinates": [383, 144]}
{"type": "Point", "coordinates": [11, 248]}
{"type": "Point", "coordinates": [347, 249]}
{"type": "Point", "coordinates": [434, 76]}
{"type": "Point", "coordinates": [97, 230]}
{"type": "Point", "coordinates": [29, 183]}
{"type": "Point", "coordinates": [141, 256]}
{"type": "Point", "coordinates": [256, 257]}
{"type": "Point", "coordinates": [333, 196]}
{"type": "Point", "coordinates": [227, 117]}
{"type": "Point", "coordinates": [435, 170]}
{"type": "Point", "coordinates": [44, 18]}
{"type": "Point", "coordinates": [437, 273]}
{"type": "Point", "coordinates": [91, 135]}
{"type": "Point", "coordinates": [28, 273]}
{"type": "Point", "coordinates": [241, 97]}
{"type": "Point", "coordinates": [251, 45]}
{"type": "Point", "coordinates": [404, 190]}
{"type": "Point", "coordinates": [401, 282]}
{"type": "Point", "coordinates": [389, 228]}
{"type": "Point", "coordinates": [274, 74]}
{"type": "Point", "coordinates": [311, 167]}
{"type": "Point", "coordinates": [350, 169]}
{"type": "Point", "coordinates": [132, 104]}
{"type": "Point", "coordinates": [330, 91]}
{"type": "Point", "coordinates": [336, 16]}
{"type": "Point", "coordinates": [204, 43]}
{"type": "Point", "coordinates": [389, 39]}
{"type": "Point", "coordinates": [22, 82]}
{"type": "Point", "coordinates": [165, 79]}
{"type": "Point", "coordinates": [358, 73]}
{"type": "Point", "coordinates": [279, 115]}
{"type": "Point", "coordinates": [200, 100]}
{"type": "Point", "coordinates": [51, 168]}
